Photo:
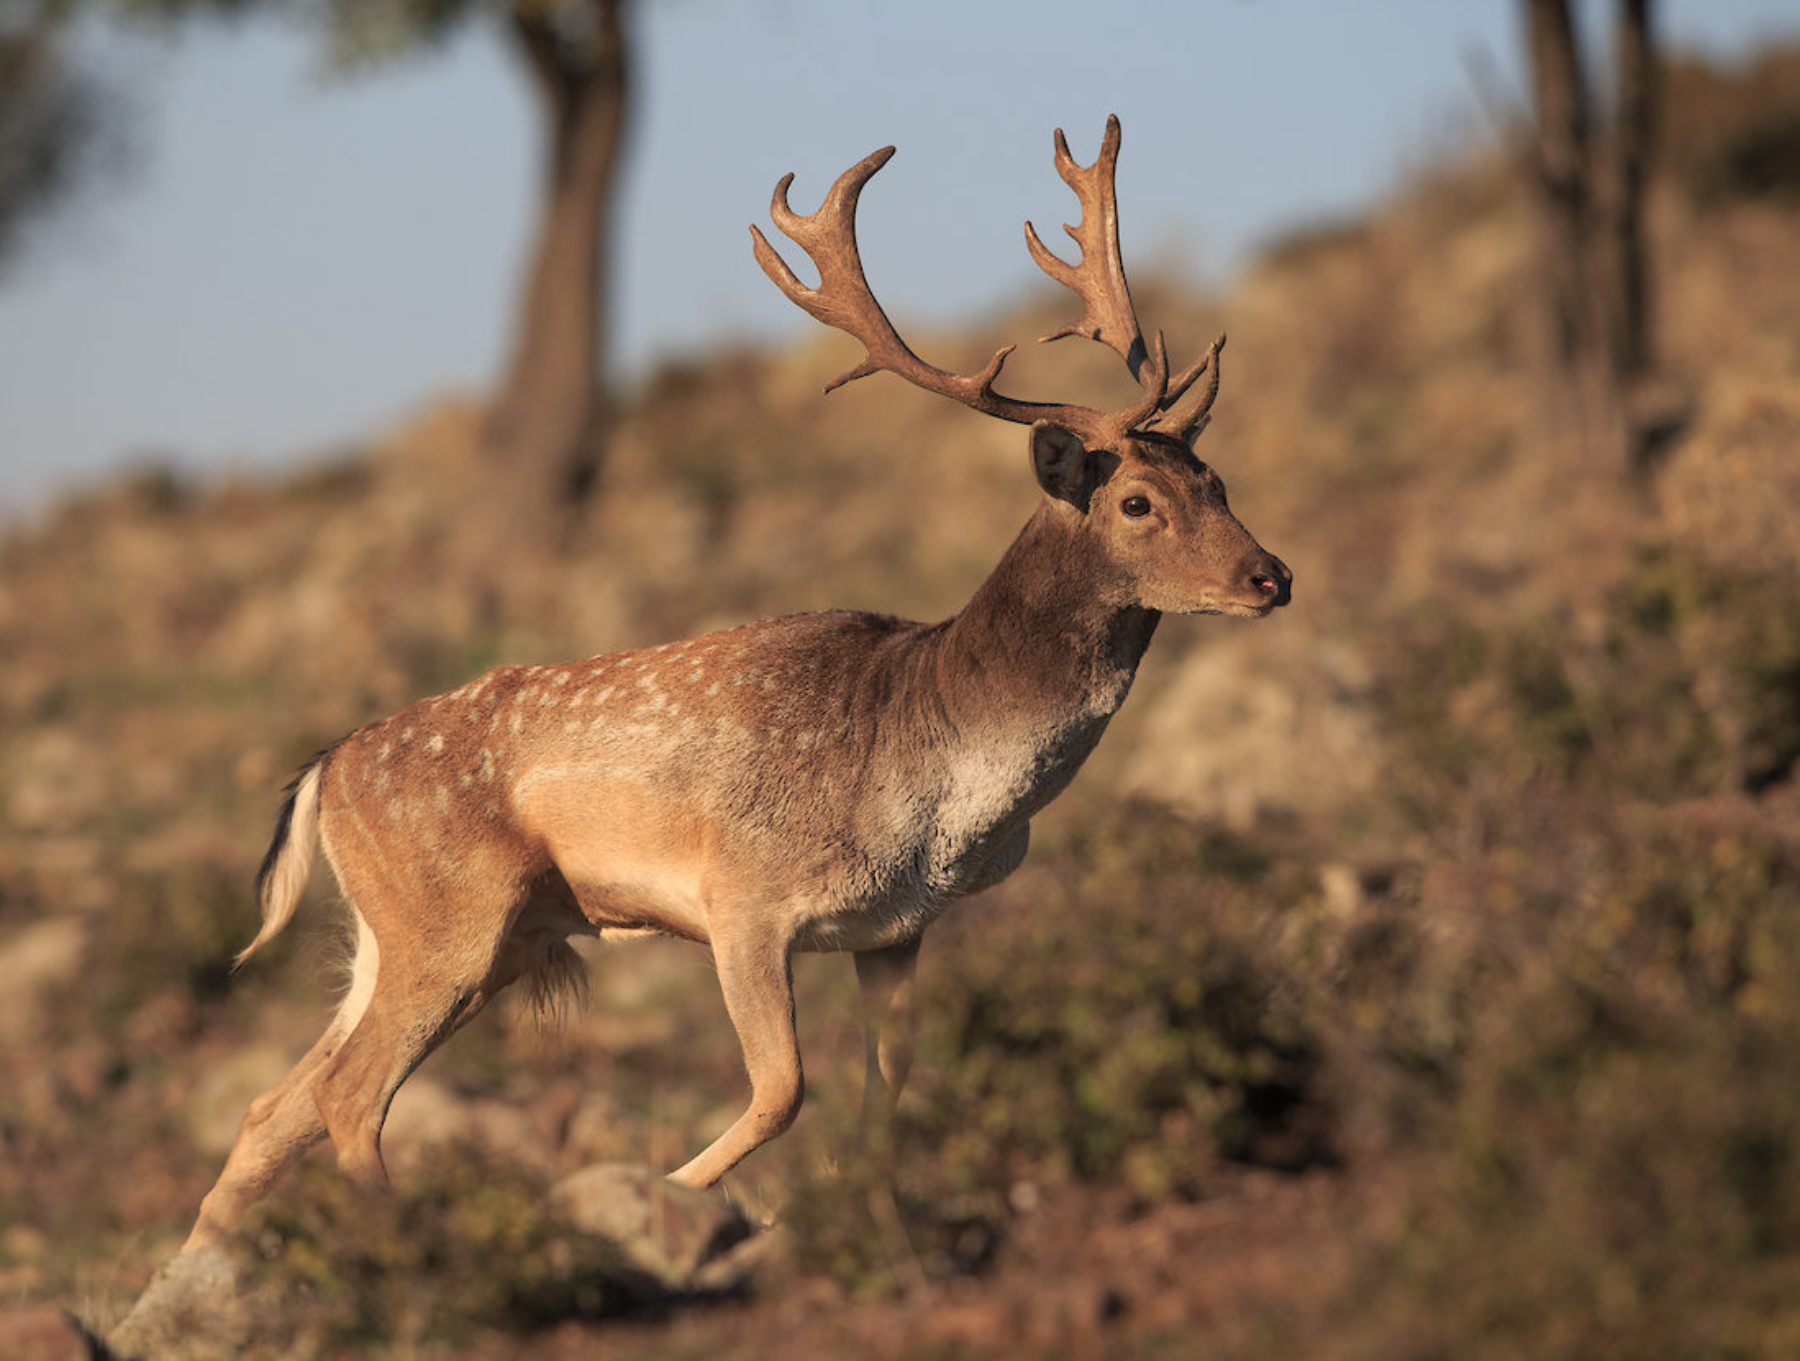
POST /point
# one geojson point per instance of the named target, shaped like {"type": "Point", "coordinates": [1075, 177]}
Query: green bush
{"type": "Point", "coordinates": [1612, 1168]}
{"type": "Point", "coordinates": [1686, 680]}
{"type": "Point", "coordinates": [1135, 1024]}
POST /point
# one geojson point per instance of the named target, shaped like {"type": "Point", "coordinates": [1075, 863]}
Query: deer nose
{"type": "Point", "coordinates": [1273, 579]}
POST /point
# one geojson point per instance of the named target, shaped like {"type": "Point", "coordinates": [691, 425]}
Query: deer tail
{"type": "Point", "coordinates": [288, 864]}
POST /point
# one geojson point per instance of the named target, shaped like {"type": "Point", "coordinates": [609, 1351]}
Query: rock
{"type": "Point", "coordinates": [198, 1305]}
{"type": "Point", "coordinates": [47, 1334]}
{"type": "Point", "coordinates": [427, 1115]}
{"type": "Point", "coordinates": [226, 1090]}
{"type": "Point", "coordinates": [688, 1241]}
{"type": "Point", "coordinates": [1256, 722]}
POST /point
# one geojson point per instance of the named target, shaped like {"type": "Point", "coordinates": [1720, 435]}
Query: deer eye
{"type": "Point", "coordinates": [1137, 507]}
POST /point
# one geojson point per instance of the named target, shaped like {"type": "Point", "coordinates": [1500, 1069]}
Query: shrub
{"type": "Point", "coordinates": [1133, 1024]}
{"type": "Point", "coordinates": [469, 1245]}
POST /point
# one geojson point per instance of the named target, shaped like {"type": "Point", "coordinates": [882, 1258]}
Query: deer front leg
{"type": "Point", "coordinates": [890, 1022]}
{"type": "Point", "coordinates": [756, 976]}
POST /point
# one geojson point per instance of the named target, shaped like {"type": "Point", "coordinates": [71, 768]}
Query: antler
{"type": "Point", "coordinates": [1189, 427]}
{"type": "Point", "coordinates": [843, 300]}
{"type": "Point", "coordinates": [1099, 280]}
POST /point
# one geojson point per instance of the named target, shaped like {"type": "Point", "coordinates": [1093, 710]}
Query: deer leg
{"type": "Point", "coordinates": [280, 1125]}
{"type": "Point", "coordinates": [416, 1004]}
{"type": "Point", "coordinates": [756, 976]}
{"type": "Point", "coordinates": [890, 1022]}
{"type": "Point", "coordinates": [400, 1029]}
{"type": "Point", "coordinates": [284, 1121]}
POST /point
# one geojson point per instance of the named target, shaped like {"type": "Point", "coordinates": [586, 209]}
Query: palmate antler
{"type": "Point", "coordinates": [843, 300]}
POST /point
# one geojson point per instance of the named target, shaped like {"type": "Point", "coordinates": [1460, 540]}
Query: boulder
{"type": "Point", "coordinates": [198, 1305]}
{"type": "Point", "coordinates": [687, 1241]}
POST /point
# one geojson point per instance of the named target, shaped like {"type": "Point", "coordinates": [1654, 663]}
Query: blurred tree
{"type": "Point", "coordinates": [547, 421]}
{"type": "Point", "coordinates": [51, 125]}
{"type": "Point", "coordinates": [1597, 351]}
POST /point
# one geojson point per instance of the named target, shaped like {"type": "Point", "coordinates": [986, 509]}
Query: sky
{"type": "Point", "coordinates": [290, 260]}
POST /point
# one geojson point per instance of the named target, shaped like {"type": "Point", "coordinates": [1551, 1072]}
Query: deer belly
{"type": "Point", "coordinates": [635, 859]}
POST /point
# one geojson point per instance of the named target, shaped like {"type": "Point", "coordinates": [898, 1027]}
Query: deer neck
{"type": "Point", "coordinates": [1045, 640]}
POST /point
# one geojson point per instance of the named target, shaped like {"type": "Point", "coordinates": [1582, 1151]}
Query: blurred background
{"type": "Point", "coordinates": [1412, 973]}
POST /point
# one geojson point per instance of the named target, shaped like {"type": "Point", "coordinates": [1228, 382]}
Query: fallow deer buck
{"type": "Point", "coordinates": [820, 782]}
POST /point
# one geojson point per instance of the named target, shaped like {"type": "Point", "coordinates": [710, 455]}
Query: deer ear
{"type": "Point", "coordinates": [1062, 463]}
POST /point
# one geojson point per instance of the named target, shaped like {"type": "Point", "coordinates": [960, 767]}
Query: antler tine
{"type": "Point", "coordinates": [1099, 280]}
{"type": "Point", "coordinates": [828, 236]}
{"type": "Point", "coordinates": [1188, 426]}
{"type": "Point", "coordinates": [843, 300]}
{"type": "Point", "coordinates": [1155, 379]}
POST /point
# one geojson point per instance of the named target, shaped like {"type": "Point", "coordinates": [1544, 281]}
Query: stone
{"type": "Point", "coordinates": [196, 1306]}
{"type": "Point", "coordinates": [688, 1241]}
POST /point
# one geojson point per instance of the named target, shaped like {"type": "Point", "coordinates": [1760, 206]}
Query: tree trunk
{"type": "Point", "coordinates": [1594, 277]}
{"type": "Point", "coordinates": [547, 424]}
{"type": "Point", "coordinates": [1563, 198]}
{"type": "Point", "coordinates": [1632, 345]}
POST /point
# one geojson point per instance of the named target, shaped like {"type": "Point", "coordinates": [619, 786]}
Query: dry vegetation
{"type": "Point", "coordinates": [1413, 974]}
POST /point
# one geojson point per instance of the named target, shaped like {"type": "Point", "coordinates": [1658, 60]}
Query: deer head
{"type": "Point", "coordinates": [1153, 518]}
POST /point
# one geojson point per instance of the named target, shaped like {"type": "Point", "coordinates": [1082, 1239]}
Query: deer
{"type": "Point", "coordinates": [826, 782]}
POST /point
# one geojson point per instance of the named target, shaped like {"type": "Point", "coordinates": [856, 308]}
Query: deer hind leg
{"type": "Point", "coordinates": [756, 977]}
{"type": "Point", "coordinates": [890, 1024]}
{"type": "Point", "coordinates": [284, 1122]}
{"type": "Point", "coordinates": [419, 999]}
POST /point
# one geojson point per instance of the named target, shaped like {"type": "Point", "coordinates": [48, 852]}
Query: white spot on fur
{"type": "Point", "coordinates": [382, 755]}
{"type": "Point", "coordinates": [436, 744]}
{"type": "Point", "coordinates": [518, 722]}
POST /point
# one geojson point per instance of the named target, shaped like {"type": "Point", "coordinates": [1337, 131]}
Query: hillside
{"type": "Point", "coordinates": [1411, 973]}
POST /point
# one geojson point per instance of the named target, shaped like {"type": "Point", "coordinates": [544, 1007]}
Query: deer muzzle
{"type": "Point", "coordinates": [1270, 578]}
